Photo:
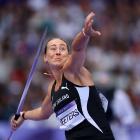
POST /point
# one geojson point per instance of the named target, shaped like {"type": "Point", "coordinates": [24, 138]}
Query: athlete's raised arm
{"type": "Point", "coordinates": [80, 43]}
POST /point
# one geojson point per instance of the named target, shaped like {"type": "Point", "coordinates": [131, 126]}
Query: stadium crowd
{"type": "Point", "coordinates": [113, 58]}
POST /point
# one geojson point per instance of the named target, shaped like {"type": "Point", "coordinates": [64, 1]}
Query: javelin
{"type": "Point", "coordinates": [22, 100]}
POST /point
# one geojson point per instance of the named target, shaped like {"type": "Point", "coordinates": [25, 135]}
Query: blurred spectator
{"type": "Point", "coordinates": [125, 116]}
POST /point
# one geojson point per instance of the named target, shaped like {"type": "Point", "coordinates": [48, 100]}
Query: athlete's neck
{"type": "Point", "coordinates": [57, 75]}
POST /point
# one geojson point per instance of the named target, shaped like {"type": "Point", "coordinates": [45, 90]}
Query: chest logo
{"type": "Point", "coordinates": [65, 87]}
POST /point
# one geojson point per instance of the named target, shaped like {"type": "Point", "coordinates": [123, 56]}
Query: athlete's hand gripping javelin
{"type": "Point", "coordinates": [16, 123]}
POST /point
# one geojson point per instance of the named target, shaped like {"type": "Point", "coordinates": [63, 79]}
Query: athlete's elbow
{"type": "Point", "coordinates": [45, 114]}
{"type": "Point", "coordinates": [47, 117]}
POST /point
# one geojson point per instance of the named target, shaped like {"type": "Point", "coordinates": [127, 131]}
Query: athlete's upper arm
{"type": "Point", "coordinates": [76, 61]}
{"type": "Point", "coordinates": [78, 54]}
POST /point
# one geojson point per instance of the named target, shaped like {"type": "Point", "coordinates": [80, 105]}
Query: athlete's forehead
{"type": "Point", "coordinates": [55, 42]}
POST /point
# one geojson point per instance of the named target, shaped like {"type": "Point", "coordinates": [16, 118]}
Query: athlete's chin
{"type": "Point", "coordinates": [57, 65]}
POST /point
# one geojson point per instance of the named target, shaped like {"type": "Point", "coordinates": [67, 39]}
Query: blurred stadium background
{"type": "Point", "coordinates": [113, 59]}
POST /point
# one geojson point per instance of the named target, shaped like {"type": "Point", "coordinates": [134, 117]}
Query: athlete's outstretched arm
{"type": "Point", "coordinates": [40, 113]}
{"type": "Point", "coordinates": [80, 43]}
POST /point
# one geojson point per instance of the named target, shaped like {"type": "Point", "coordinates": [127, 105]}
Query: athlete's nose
{"type": "Point", "coordinates": [58, 51]}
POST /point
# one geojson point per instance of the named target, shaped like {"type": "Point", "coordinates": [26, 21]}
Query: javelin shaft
{"type": "Point", "coordinates": [22, 100]}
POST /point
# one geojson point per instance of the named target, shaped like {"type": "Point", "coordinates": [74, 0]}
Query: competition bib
{"type": "Point", "coordinates": [69, 116]}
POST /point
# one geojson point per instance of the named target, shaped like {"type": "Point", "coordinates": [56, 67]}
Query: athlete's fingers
{"type": "Point", "coordinates": [94, 32]}
{"type": "Point", "coordinates": [89, 18]}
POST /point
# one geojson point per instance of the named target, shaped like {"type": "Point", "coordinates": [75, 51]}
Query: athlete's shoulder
{"type": "Point", "coordinates": [83, 77]}
{"type": "Point", "coordinates": [84, 70]}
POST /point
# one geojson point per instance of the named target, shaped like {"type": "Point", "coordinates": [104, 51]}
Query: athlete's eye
{"type": "Point", "coordinates": [62, 48]}
{"type": "Point", "coordinates": [53, 48]}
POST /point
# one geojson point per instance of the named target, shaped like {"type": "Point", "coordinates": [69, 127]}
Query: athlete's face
{"type": "Point", "coordinates": [57, 52]}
